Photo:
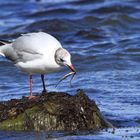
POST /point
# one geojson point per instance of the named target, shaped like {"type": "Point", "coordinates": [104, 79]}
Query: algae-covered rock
{"type": "Point", "coordinates": [52, 111]}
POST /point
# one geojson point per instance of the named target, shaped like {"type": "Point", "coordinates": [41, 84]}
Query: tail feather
{"type": "Point", "coordinates": [3, 44]}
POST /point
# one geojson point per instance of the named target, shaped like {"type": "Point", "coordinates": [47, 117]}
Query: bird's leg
{"type": "Point", "coordinates": [31, 81]}
{"type": "Point", "coordinates": [43, 82]}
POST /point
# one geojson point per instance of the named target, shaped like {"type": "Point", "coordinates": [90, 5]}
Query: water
{"type": "Point", "coordinates": [103, 38]}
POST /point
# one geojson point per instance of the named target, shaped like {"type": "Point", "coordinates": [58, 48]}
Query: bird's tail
{"type": "Point", "coordinates": [3, 46]}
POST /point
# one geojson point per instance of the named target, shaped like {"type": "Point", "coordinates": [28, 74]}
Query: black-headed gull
{"type": "Point", "coordinates": [38, 53]}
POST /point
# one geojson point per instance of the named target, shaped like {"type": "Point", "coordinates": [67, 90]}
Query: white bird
{"type": "Point", "coordinates": [38, 53]}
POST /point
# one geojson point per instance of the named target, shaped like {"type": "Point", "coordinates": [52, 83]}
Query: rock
{"type": "Point", "coordinates": [52, 111]}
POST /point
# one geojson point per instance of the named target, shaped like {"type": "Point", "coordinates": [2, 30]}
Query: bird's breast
{"type": "Point", "coordinates": [40, 66]}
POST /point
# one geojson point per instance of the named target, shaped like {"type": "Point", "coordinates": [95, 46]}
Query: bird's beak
{"type": "Point", "coordinates": [71, 68]}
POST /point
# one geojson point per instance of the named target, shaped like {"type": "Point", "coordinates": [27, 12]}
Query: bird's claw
{"type": "Point", "coordinates": [31, 97]}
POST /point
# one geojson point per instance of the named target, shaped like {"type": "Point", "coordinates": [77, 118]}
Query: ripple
{"type": "Point", "coordinates": [53, 12]}
{"type": "Point", "coordinates": [103, 38]}
{"type": "Point", "coordinates": [115, 8]}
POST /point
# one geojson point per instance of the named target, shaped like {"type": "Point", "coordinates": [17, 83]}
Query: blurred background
{"type": "Point", "coordinates": [103, 37]}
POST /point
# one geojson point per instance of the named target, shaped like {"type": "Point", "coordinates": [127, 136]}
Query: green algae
{"type": "Point", "coordinates": [54, 111]}
{"type": "Point", "coordinates": [17, 123]}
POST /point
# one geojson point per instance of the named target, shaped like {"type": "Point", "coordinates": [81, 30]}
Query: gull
{"type": "Point", "coordinates": [37, 53]}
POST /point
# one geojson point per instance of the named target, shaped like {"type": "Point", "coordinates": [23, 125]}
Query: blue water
{"type": "Point", "coordinates": [104, 40]}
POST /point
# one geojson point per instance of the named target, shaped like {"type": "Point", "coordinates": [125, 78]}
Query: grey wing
{"type": "Point", "coordinates": [18, 55]}
{"type": "Point", "coordinates": [24, 56]}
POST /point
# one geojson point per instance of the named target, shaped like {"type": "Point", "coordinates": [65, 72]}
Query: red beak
{"type": "Point", "coordinates": [72, 68]}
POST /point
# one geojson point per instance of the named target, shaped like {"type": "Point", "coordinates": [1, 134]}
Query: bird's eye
{"type": "Point", "coordinates": [61, 60]}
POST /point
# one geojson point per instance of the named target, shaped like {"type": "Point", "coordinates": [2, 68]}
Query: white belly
{"type": "Point", "coordinates": [37, 67]}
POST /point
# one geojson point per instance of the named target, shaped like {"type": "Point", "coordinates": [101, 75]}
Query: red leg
{"type": "Point", "coordinates": [31, 82]}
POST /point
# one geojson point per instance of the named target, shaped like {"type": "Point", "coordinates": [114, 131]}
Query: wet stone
{"type": "Point", "coordinates": [52, 111]}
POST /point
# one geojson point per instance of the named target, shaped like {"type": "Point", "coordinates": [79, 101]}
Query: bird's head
{"type": "Point", "coordinates": [63, 58]}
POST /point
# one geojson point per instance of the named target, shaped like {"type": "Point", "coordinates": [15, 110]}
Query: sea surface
{"type": "Point", "coordinates": [103, 37]}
